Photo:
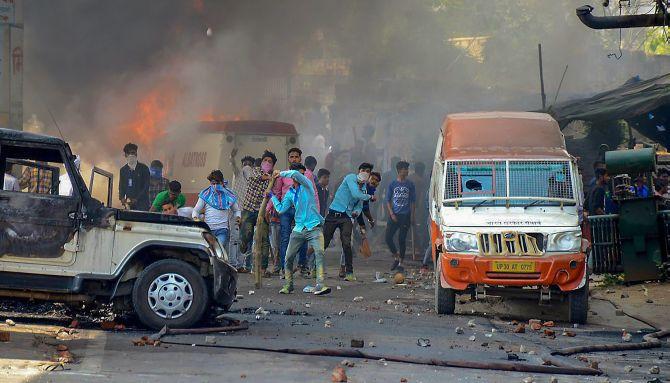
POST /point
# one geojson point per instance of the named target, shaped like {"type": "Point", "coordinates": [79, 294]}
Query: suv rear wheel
{"type": "Point", "coordinates": [170, 293]}
{"type": "Point", "coordinates": [445, 298]}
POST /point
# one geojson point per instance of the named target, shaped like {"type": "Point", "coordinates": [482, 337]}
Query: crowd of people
{"type": "Point", "coordinates": [300, 216]}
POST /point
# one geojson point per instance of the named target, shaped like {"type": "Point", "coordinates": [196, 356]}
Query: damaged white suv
{"type": "Point", "coordinates": [168, 269]}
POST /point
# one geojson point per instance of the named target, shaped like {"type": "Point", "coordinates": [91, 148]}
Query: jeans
{"type": "Point", "coordinates": [286, 228]}
{"type": "Point", "coordinates": [298, 240]}
{"type": "Point", "coordinates": [275, 228]}
{"type": "Point", "coordinates": [223, 235]}
{"type": "Point", "coordinates": [402, 226]}
{"type": "Point", "coordinates": [340, 221]}
{"type": "Point", "coordinates": [249, 219]}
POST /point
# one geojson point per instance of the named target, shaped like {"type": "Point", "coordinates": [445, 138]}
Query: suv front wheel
{"type": "Point", "coordinates": [170, 293]}
{"type": "Point", "coordinates": [445, 298]}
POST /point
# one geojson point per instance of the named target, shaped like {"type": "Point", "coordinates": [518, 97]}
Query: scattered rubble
{"type": "Point", "coordinates": [536, 326]}
{"type": "Point", "coordinates": [399, 278]}
{"type": "Point", "coordinates": [328, 324]}
{"type": "Point", "coordinates": [549, 333]}
{"type": "Point", "coordinates": [626, 336]}
{"type": "Point", "coordinates": [347, 363]}
{"type": "Point", "coordinates": [338, 375]}
{"type": "Point", "coordinates": [472, 338]}
{"type": "Point", "coordinates": [569, 333]}
{"type": "Point", "coordinates": [593, 364]}
{"type": "Point", "coordinates": [423, 342]}
{"type": "Point", "coordinates": [357, 343]}
{"type": "Point", "coordinates": [654, 370]}
{"type": "Point", "coordinates": [628, 369]}
{"type": "Point", "coordinates": [520, 329]}
{"type": "Point", "coordinates": [548, 323]}
{"type": "Point", "coordinates": [522, 349]}
{"type": "Point", "coordinates": [459, 330]}
{"type": "Point", "coordinates": [529, 379]}
{"type": "Point", "coordinates": [146, 341]}
{"type": "Point", "coordinates": [553, 379]}
{"type": "Point", "coordinates": [74, 324]}
{"type": "Point", "coordinates": [252, 292]}
{"type": "Point", "coordinates": [380, 321]}
{"type": "Point", "coordinates": [209, 339]}
{"type": "Point", "coordinates": [107, 325]}
{"type": "Point", "coordinates": [471, 323]}
{"type": "Point", "coordinates": [358, 299]}
{"type": "Point", "coordinates": [10, 322]}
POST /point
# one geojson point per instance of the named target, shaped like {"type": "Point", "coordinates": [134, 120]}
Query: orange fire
{"type": "Point", "coordinates": [148, 123]}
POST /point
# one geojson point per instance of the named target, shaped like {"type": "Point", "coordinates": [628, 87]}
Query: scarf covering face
{"type": "Point", "coordinates": [218, 197]}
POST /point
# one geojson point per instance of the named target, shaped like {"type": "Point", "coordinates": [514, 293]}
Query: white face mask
{"type": "Point", "coordinates": [131, 160]}
{"type": "Point", "coordinates": [363, 177]}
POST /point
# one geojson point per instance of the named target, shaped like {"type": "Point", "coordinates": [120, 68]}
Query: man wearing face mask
{"type": "Point", "coordinates": [157, 183]}
{"type": "Point", "coordinates": [347, 205]}
{"type": "Point", "coordinates": [134, 181]}
{"type": "Point", "coordinates": [251, 204]}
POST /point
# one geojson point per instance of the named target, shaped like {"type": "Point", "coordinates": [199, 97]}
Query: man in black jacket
{"type": "Point", "coordinates": [134, 181]}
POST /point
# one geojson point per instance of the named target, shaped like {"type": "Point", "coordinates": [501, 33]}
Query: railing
{"type": "Point", "coordinates": [605, 244]}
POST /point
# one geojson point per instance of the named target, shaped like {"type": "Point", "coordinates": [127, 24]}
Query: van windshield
{"type": "Point", "coordinates": [514, 182]}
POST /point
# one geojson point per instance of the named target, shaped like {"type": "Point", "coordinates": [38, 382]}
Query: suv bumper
{"type": "Point", "coordinates": [224, 285]}
{"type": "Point", "coordinates": [566, 271]}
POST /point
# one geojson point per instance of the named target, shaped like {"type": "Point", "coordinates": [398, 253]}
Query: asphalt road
{"type": "Point", "coordinates": [388, 328]}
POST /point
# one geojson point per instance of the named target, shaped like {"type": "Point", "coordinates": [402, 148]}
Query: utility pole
{"type": "Point", "coordinates": [544, 96]}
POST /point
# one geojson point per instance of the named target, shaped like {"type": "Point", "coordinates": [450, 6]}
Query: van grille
{"type": "Point", "coordinates": [510, 243]}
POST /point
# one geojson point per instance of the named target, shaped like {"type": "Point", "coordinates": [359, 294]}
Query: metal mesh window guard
{"type": "Point", "coordinates": [477, 180]}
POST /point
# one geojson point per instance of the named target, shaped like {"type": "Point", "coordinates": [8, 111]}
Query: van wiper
{"type": "Point", "coordinates": [481, 203]}
{"type": "Point", "coordinates": [532, 204]}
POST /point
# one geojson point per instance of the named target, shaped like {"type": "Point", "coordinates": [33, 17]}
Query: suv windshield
{"type": "Point", "coordinates": [517, 183]}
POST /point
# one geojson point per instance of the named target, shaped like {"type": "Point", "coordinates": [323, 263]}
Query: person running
{"type": "Point", "coordinates": [400, 199]}
{"type": "Point", "coordinates": [216, 201]}
{"type": "Point", "coordinates": [371, 188]}
{"type": "Point", "coordinates": [308, 225]}
{"type": "Point", "coordinates": [347, 205]}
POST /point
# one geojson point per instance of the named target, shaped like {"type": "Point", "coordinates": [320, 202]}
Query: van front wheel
{"type": "Point", "coordinates": [578, 304]}
{"type": "Point", "coordinates": [445, 298]}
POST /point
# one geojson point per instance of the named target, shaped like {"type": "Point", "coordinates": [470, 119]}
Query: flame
{"type": "Point", "coordinates": [150, 118]}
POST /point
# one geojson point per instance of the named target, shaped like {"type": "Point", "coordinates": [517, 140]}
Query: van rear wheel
{"type": "Point", "coordinates": [170, 293]}
{"type": "Point", "coordinates": [445, 298]}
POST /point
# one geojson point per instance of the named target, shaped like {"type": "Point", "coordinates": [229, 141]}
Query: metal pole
{"type": "Point", "coordinates": [544, 96]}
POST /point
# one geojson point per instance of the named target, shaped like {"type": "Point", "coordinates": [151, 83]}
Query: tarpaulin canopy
{"type": "Point", "coordinates": [634, 98]}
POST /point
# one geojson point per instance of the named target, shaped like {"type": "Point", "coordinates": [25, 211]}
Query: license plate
{"type": "Point", "coordinates": [512, 267]}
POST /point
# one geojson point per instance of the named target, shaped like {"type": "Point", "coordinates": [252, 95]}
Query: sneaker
{"type": "Point", "coordinates": [309, 289]}
{"type": "Point", "coordinates": [321, 290]}
{"type": "Point", "coordinates": [350, 277]}
{"type": "Point", "coordinates": [343, 272]}
{"type": "Point", "coordinates": [396, 263]}
{"type": "Point", "coordinates": [282, 275]}
{"type": "Point", "coordinates": [287, 289]}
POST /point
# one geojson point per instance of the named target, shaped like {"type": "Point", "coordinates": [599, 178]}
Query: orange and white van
{"type": "Point", "coordinates": [506, 198]}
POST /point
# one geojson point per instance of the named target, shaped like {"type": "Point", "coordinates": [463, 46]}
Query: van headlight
{"type": "Point", "coordinates": [568, 241]}
{"type": "Point", "coordinates": [460, 242]}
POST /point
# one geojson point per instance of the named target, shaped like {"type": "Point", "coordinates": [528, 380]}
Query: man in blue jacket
{"type": "Point", "coordinates": [308, 225]}
{"type": "Point", "coordinates": [347, 205]}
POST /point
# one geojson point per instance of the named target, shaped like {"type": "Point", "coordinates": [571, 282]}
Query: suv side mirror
{"type": "Point", "coordinates": [110, 183]}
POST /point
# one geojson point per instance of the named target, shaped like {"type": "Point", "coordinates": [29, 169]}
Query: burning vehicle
{"type": "Point", "coordinates": [169, 270]}
{"type": "Point", "coordinates": [215, 140]}
{"type": "Point", "coordinates": [505, 208]}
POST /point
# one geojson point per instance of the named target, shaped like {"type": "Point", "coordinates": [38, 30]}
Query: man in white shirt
{"type": "Point", "coordinates": [64, 182]}
{"type": "Point", "coordinates": [11, 183]}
